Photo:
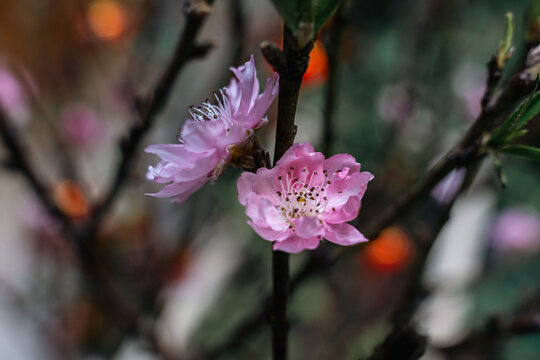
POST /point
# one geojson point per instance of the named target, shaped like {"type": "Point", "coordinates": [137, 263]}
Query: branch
{"type": "Point", "coordinates": [186, 49]}
{"type": "Point", "coordinates": [292, 65]}
{"type": "Point", "coordinates": [19, 160]}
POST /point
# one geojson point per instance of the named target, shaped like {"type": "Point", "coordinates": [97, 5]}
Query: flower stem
{"type": "Point", "coordinates": [291, 69]}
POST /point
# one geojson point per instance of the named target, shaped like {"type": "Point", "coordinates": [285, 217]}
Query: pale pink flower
{"type": "Point", "coordinates": [213, 132]}
{"type": "Point", "coordinates": [304, 199]}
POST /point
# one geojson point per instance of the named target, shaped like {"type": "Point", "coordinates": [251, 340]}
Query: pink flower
{"type": "Point", "coordinates": [305, 198]}
{"type": "Point", "coordinates": [213, 132]}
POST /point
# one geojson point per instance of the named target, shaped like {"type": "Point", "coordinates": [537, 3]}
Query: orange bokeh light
{"type": "Point", "coordinates": [106, 19]}
{"type": "Point", "coordinates": [317, 70]}
{"type": "Point", "coordinates": [70, 199]}
{"type": "Point", "coordinates": [392, 250]}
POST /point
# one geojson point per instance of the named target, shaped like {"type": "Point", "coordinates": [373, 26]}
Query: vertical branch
{"type": "Point", "coordinates": [291, 64]}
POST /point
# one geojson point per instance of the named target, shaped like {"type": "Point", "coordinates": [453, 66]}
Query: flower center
{"type": "Point", "coordinates": [298, 198]}
{"type": "Point", "coordinates": [209, 112]}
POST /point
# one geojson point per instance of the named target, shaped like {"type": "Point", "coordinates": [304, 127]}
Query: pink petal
{"type": "Point", "coordinates": [263, 102]}
{"type": "Point", "coordinates": [343, 234]}
{"type": "Point", "coordinates": [296, 244]}
{"type": "Point", "coordinates": [268, 233]}
{"type": "Point", "coordinates": [200, 136]}
{"type": "Point", "coordinates": [180, 190]}
{"type": "Point", "coordinates": [340, 161]}
{"type": "Point", "coordinates": [245, 186]}
{"type": "Point", "coordinates": [308, 227]}
{"type": "Point", "coordinates": [248, 84]}
{"type": "Point", "coordinates": [344, 213]}
{"type": "Point", "coordinates": [294, 152]}
{"type": "Point", "coordinates": [263, 213]}
{"type": "Point", "coordinates": [339, 191]}
{"type": "Point", "coordinates": [181, 165]}
{"type": "Point", "coordinates": [171, 152]}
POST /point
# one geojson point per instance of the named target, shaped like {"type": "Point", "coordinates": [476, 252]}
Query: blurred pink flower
{"type": "Point", "coordinates": [209, 137]}
{"type": "Point", "coordinates": [81, 124]}
{"type": "Point", "coordinates": [305, 198]}
{"type": "Point", "coordinates": [13, 100]}
{"type": "Point", "coordinates": [516, 229]}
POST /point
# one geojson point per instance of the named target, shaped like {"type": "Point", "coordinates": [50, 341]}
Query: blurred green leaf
{"type": "Point", "coordinates": [524, 151]}
{"type": "Point", "coordinates": [299, 13]}
{"type": "Point", "coordinates": [512, 127]}
{"type": "Point", "coordinates": [505, 46]}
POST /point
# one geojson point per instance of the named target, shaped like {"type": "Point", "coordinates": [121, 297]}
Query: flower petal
{"type": "Point", "coordinates": [339, 162]}
{"type": "Point", "coordinates": [245, 186]}
{"type": "Point", "coordinates": [248, 85]}
{"type": "Point", "coordinates": [339, 191]}
{"type": "Point", "coordinates": [262, 212]}
{"type": "Point", "coordinates": [181, 191]}
{"type": "Point", "coordinates": [344, 213]}
{"type": "Point", "coordinates": [343, 234]}
{"type": "Point", "coordinates": [295, 244]}
{"type": "Point", "coordinates": [308, 226]}
{"type": "Point", "coordinates": [263, 102]}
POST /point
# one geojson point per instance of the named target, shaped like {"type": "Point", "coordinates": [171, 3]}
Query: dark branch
{"type": "Point", "coordinates": [19, 160]}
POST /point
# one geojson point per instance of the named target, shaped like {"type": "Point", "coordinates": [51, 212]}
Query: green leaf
{"type": "Point", "coordinates": [505, 46]}
{"type": "Point", "coordinates": [312, 13]}
{"type": "Point", "coordinates": [525, 151]}
{"type": "Point", "coordinates": [323, 9]}
{"type": "Point", "coordinates": [512, 127]}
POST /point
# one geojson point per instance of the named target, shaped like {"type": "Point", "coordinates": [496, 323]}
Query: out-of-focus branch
{"type": "Point", "coordinates": [187, 49]}
{"type": "Point", "coordinates": [18, 159]}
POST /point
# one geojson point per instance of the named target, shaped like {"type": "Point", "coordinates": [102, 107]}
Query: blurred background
{"type": "Point", "coordinates": [180, 279]}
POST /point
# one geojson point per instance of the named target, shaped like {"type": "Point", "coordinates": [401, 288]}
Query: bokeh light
{"type": "Point", "coordinates": [317, 70]}
{"type": "Point", "coordinates": [107, 19]}
{"type": "Point", "coordinates": [391, 251]}
{"type": "Point", "coordinates": [71, 199]}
